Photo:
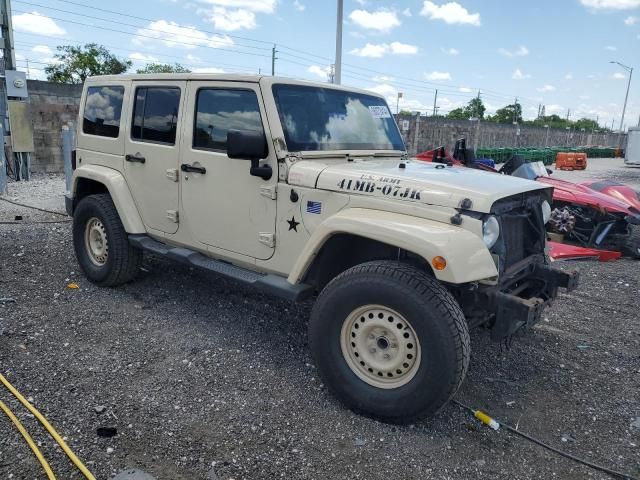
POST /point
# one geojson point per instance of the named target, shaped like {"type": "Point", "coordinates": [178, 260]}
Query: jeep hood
{"type": "Point", "coordinates": [433, 184]}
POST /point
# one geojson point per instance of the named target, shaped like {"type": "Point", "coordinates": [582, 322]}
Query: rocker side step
{"type": "Point", "coordinates": [268, 283]}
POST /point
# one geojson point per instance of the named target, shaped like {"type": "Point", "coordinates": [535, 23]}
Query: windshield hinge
{"type": "Point", "coordinates": [269, 191]}
{"type": "Point", "coordinates": [294, 157]}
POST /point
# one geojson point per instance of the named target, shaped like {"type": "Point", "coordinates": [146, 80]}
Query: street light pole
{"type": "Point", "coordinates": [338, 71]}
{"type": "Point", "coordinates": [626, 97]}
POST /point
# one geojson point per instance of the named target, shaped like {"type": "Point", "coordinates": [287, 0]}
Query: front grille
{"type": "Point", "coordinates": [521, 228]}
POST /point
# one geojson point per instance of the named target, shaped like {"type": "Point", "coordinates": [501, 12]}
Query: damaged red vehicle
{"type": "Point", "coordinates": [601, 215]}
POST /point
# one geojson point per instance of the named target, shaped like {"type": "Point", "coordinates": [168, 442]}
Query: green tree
{"type": "Point", "coordinates": [76, 63]}
{"type": "Point", "coordinates": [163, 68]}
{"type": "Point", "coordinates": [458, 114]}
{"type": "Point", "coordinates": [474, 109]}
{"type": "Point", "coordinates": [507, 114]}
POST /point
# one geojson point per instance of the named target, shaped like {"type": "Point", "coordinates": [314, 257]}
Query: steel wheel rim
{"type": "Point", "coordinates": [95, 241]}
{"type": "Point", "coordinates": [380, 346]}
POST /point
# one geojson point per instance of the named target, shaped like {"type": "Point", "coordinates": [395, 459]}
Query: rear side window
{"type": "Point", "coordinates": [155, 114]}
{"type": "Point", "coordinates": [220, 110]}
{"type": "Point", "coordinates": [102, 110]}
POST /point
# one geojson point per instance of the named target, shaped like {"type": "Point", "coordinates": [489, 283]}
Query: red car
{"type": "Point", "coordinates": [600, 214]}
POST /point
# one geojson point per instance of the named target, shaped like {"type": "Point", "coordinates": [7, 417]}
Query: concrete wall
{"type": "Point", "coordinates": [52, 106]}
{"type": "Point", "coordinates": [426, 133]}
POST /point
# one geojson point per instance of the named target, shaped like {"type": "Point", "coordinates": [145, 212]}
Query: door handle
{"type": "Point", "coordinates": [134, 158]}
{"type": "Point", "coordinates": [185, 167]}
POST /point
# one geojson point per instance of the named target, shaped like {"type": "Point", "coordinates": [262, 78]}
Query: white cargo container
{"type": "Point", "coordinates": [632, 152]}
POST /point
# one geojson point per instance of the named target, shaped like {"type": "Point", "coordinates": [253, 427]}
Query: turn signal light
{"type": "Point", "coordinates": [439, 263]}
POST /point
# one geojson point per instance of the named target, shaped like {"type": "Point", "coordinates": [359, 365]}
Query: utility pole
{"type": "Point", "coordinates": [515, 111]}
{"type": "Point", "coordinates": [398, 103]}
{"type": "Point", "coordinates": [568, 113]}
{"type": "Point", "coordinates": [331, 76]}
{"type": "Point", "coordinates": [435, 100]}
{"type": "Point", "coordinates": [8, 62]}
{"type": "Point", "coordinates": [273, 60]}
{"type": "Point", "coordinates": [626, 96]}
{"type": "Point", "coordinates": [338, 74]}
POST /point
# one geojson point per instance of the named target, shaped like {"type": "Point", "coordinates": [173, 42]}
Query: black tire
{"type": "Point", "coordinates": [631, 247]}
{"type": "Point", "coordinates": [123, 261]}
{"type": "Point", "coordinates": [434, 315]}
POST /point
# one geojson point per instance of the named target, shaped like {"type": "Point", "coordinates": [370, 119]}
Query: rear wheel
{"type": "Point", "coordinates": [390, 341]}
{"type": "Point", "coordinates": [101, 243]}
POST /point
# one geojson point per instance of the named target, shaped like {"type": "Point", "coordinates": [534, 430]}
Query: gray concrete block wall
{"type": "Point", "coordinates": [52, 105]}
{"type": "Point", "coordinates": [428, 133]}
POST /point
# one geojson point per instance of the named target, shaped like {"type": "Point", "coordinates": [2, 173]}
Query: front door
{"type": "Point", "coordinates": [224, 205]}
{"type": "Point", "coordinates": [152, 152]}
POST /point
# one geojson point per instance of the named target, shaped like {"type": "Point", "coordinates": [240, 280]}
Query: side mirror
{"type": "Point", "coordinates": [549, 171]}
{"type": "Point", "coordinates": [249, 145]}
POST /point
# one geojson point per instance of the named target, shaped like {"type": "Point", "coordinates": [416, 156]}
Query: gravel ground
{"type": "Point", "coordinates": [205, 379]}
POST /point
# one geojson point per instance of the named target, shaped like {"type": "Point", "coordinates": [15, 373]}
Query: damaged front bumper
{"type": "Point", "coordinates": [518, 300]}
{"type": "Point", "coordinates": [521, 304]}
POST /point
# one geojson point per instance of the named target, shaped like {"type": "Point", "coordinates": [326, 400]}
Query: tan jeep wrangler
{"type": "Point", "coordinates": [304, 190]}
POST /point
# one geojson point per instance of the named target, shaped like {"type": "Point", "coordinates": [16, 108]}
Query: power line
{"type": "Point", "coordinates": [99, 27]}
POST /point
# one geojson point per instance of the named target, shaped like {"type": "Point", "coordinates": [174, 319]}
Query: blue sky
{"type": "Point", "coordinates": [550, 52]}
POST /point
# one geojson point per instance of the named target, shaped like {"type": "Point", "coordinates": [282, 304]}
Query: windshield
{"type": "Point", "coordinates": [531, 171]}
{"type": "Point", "coordinates": [315, 118]}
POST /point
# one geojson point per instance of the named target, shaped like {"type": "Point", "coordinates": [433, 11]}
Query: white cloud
{"type": "Point", "coordinates": [450, 13]}
{"type": "Point", "coordinates": [465, 90]}
{"type": "Point", "coordinates": [380, 20]}
{"type": "Point", "coordinates": [298, 6]}
{"type": "Point", "coordinates": [171, 34]}
{"type": "Point", "coordinates": [451, 51]}
{"type": "Point", "coordinates": [519, 75]}
{"type": "Point", "coordinates": [231, 20]}
{"type": "Point", "coordinates": [42, 49]}
{"type": "Point", "coordinates": [371, 50]}
{"type": "Point", "coordinates": [630, 20]}
{"type": "Point", "coordinates": [384, 89]}
{"type": "Point", "coordinates": [553, 108]}
{"type": "Point", "coordinates": [398, 48]}
{"type": "Point", "coordinates": [546, 88]}
{"type": "Point", "coordinates": [520, 52]}
{"type": "Point", "coordinates": [321, 72]}
{"type": "Point", "coordinates": [611, 4]}
{"type": "Point", "coordinates": [262, 6]}
{"type": "Point", "coordinates": [382, 79]}
{"type": "Point", "coordinates": [207, 70]}
{"type": "Point", "coordinates": [438, 76]}
{"type": "Point", "coordinates": [193, 58]}
{"type": "Point", "coordinates": [379, 50]}
{"type": "Point", "coordinates": [36, 23]}
{"type": "Point", "coordinates": [611, 48]}
{"type": "Point", "coordinates": [619, 76]}
{"type": "Point", "coordinates": [407, 12]}
{"type": "Point", "coordinates": [568, 76]}
{"type": "Point", "coordinates": [142, 57]}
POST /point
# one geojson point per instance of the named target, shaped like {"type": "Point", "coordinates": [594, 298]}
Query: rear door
{"type": "Point", "coordinates": [152, 152]}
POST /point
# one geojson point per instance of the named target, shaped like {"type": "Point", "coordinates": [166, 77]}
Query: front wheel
{"type": "Point", "coordinates": [631, 247]}
{"type": "Point", "coordinates": [101, 243]}
{"type": "Point", "coordinates": [390, 341]}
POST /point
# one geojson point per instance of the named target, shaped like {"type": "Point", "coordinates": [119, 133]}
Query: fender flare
{"type": "Point", "coordinates": [468, 258]}
{"type": "Point", "coordinates": [117, 186]}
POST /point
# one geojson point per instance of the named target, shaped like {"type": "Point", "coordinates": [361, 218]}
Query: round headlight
{"type": "Point", "coordinates": [490, 231]}
{"type": "Point", "coordinates": [546, 211]}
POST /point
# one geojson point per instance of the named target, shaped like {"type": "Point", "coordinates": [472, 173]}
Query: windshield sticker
{"type": "Point", "coordinates": [388, 190]}
{"type": "Point", "coordinates": [379, 111]}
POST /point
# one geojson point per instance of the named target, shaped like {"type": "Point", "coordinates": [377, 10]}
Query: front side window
{"type": "Point", "coordinates": [220, 110]}
{"type": "Point", "coordinates": [102, 110]}
{"type": "Point", "coordinates": [315, 118]}
{"type": "Point", "coordinates": [155, 114]}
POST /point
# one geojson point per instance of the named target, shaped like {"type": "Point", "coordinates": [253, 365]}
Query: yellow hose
{"type": "Point", "coordinates": [29, 440]}
{"type": "Point", "coordinates": [76, 461]}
